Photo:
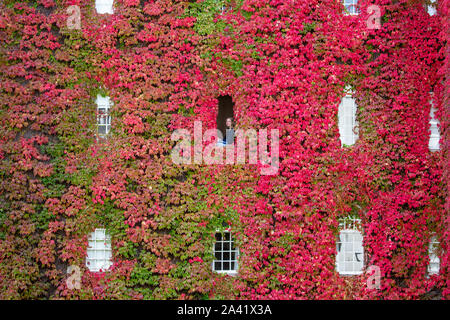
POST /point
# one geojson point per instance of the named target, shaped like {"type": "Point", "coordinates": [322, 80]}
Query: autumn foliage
{"type": "Point", "coordinates": [164, 63]}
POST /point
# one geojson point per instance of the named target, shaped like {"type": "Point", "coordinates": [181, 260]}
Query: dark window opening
{"type": "Point", "coordinates": [226, 107]}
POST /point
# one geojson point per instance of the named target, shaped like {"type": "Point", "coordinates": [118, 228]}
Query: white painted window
{"type": "Point", "coordinates": [348, 126]}
{"type": "Point", "coordinates": [432, 8]}
{"type": "Point", "coordinates": [104, 6]}
{"type": "Point", "coordinates": [103, 117]}
{"type": "Point", "coordinates": [435, 136]}
{"type": "Point", "coordinates": [225, 254]}
{"type": "Point", "coordinates": [434, 266]}
{"type": "Point", "coordinates": [351, 7]}
{"type": "Point", "coordinates": [349, 247]}
{"type": "Point", "coordinates": [99, 251]}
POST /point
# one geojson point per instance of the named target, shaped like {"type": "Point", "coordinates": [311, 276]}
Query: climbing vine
{"type": "Point", "coordinates": [164, 63]}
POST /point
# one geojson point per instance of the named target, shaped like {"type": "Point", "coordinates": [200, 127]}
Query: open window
{"type": "Point", "coordinates": [349, 247]}
{"type": "Point", "coordinates": [104, 6]}
{"type": "Point", "coordinates": [225, 254]}
{"type": "Point", "coordinates": [99, 251]}
{"type": "Point", "coordinates": [226, 111]}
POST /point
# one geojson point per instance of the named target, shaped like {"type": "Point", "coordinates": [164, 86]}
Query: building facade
{"type": "Point", "coordinates": [92, 204]}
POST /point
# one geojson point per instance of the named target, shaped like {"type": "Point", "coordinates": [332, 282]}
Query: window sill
{"type": "Point", "coordinates": [350, 274]}
{"type": "Point", "coordinates": [229, 273]}
{"type": "Point", "coordinates": [350, 14]}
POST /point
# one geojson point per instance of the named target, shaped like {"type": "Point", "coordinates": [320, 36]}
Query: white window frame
{"type": "Point", "coordinates": [347, 121]}
{"type": "Point", "coordinates": [432, 10]}
{"type": "Point", "coordinates": [231, 272]}
{"type": "Point", "coordinates": [99, 252]}
{"type": "Point", "coordinates": [433, 142]}
{"type": "Point", "coordinates": [103, 118]}
{"type": "Point", "coordinates": [349, 248]}
{"type": "Point", "coordinates": [104, 6]}
{"type": "Point", "coordinates": [434, 264]}
{"type": "Point", "coordinates": [350, 7]}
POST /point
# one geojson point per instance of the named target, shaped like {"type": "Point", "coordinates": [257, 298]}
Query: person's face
{"type": "Point", "coordinates": [229, 123]}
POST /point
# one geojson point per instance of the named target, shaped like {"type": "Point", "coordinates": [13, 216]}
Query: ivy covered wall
{"type": "Point", "coordinates": [164, 63]}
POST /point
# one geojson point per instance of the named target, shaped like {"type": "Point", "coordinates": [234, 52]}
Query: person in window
{"type": "Point", "coordinates": [229, 132]}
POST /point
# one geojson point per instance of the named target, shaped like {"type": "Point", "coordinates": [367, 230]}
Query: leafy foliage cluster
{"type": "Point", "coordinates": [164, 63]}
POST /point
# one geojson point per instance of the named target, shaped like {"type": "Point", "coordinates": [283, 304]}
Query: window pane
{"type": "Point", "coordinates": [347, 120]}
{"type": "Point", "coordinates": [434, 261]}
{"type": "Point", "coordinates": [350, 5]}
{"type": "Point", "coordinates": [218, 255]}
{"type": "Point", "coordinates": [100, 244]}
{"type": "Point", "coordinates": [99, 251]}
{"type": "Point", "coordinates": [104, 6]}
{"type": "Point", "coordinates": [102, 129]}
{"type": "Point", "coordinates": [350, 259]}
{"type": "Point", "coordinates": [226, 255]}
{"type": "Point", "coordinates": [433, 143]}
{"type": "Point", "coordinates": [103, 117]}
